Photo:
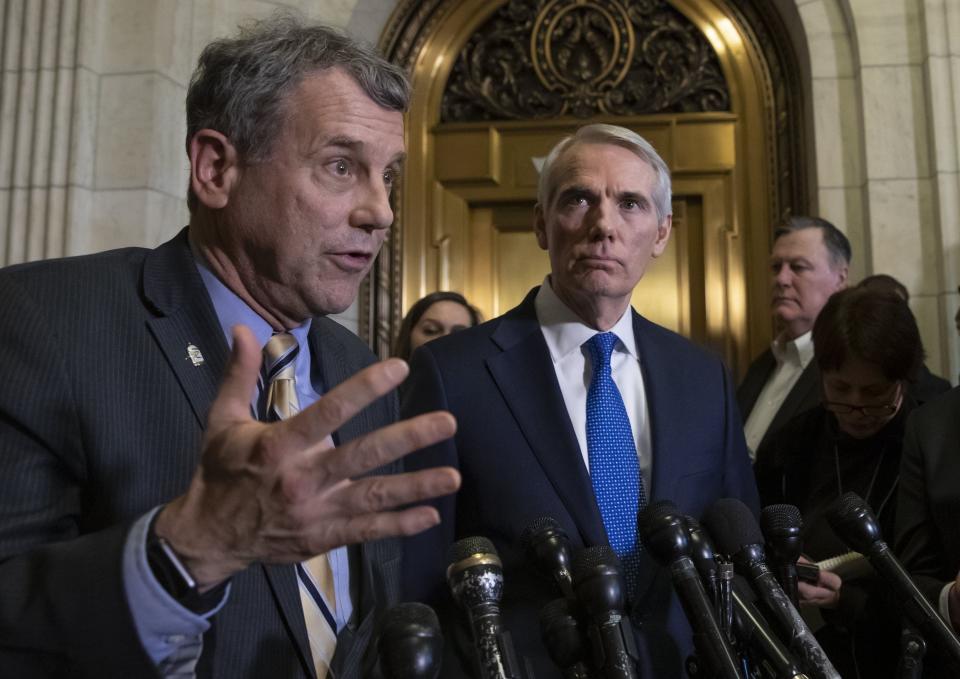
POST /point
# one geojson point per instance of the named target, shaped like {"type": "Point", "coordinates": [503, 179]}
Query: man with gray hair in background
{"type": "Point", "coordinates": [196, 466]}
{"type": "Point", "coordinates": [809, 262]}
{"type": "Point", "coordinates": [572, 406]}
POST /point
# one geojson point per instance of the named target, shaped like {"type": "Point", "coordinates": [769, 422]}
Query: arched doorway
{"type": "Point", "coordinates": [497, 83]}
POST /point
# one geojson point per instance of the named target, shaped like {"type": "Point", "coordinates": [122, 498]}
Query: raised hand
{"type": "Point", "coordinates": [279, 493]}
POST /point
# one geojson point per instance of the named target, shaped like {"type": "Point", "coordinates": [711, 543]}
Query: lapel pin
{"type": "Point", "coordinates": [193, 353]}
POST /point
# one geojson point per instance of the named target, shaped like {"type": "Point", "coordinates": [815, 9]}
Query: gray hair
{"type": "Point", "coordinates": [600, 133]}
{"type": "Point", "coordinates": [836, 243]}
{"type": "Point", "coordinates": [241, 84]}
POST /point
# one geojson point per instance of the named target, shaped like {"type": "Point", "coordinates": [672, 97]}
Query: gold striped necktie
{"type": "Point", "coordinates": [278, 400]}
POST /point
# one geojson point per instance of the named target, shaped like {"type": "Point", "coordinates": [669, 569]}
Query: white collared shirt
{"type": "Point", "coordinates": [792, 356]}
{"type": "Point", "coordinates": [565, 334]}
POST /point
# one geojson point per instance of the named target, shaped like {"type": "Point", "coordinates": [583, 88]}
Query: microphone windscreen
{"type": "Point", "coordinates": [411, 615]}
{"type": "Point", "coordinates": [587, 560]}
{"type": "Point", "coordinates": [854, 522]}
{"type": "Point", "coordinates": [467, 547]}
{"type": "Point", "coordinates": [780, 518]}
{"type": "Point", "coordinates": [536, 527]}
{"type": "Point", "coordinates": [732, 525]}
{"type": "Point", "coordinates": [652, 516]}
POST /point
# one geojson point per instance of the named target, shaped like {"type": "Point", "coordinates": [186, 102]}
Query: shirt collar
{"type": "Point", "coordinates": [798, 351]}
{"type": "Point", "coordinates": [231, 310]}
{"type": "Point", "coordinates": [565, 332]}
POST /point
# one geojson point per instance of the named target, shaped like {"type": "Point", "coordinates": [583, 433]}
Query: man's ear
{"type": "Point", "coordinates": [663, 236]}
{"type": "Point", "coordinates": [842, 273]}
{"type": "Point", "coordinates": [214, 167]}
{"type": "Point", "coordinates": [540, 226]}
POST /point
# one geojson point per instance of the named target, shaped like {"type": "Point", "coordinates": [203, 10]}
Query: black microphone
{"type": "Point", "coordinates": [601, 591]}
{"type": "Point", "coordinates": [475, 576]}
{"type": "Point", "coordinates": [705, 560]}
{"type": "Point", "coordinates": [548, 548]}
{"type": "Point", "coordinates": [853, 521]}
{"type": "Point", "coordinates": [781, 525]}
{"type": "Point", "coordinates": [753, 630]}
{"type": "Point", "coordinates": [735, 530]}
{"type": "Point", "coordinates": [663, 530]}
{"type": "Point", "coordinates": [410, 644]}
{"type": "Point", "coordinates": [563, 638]}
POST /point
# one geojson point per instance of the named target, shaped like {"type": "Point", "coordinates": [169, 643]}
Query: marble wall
{"type": "Point", "coordinates": [886, 87]}
{"type": "Point", "coordinates": [92, 129]}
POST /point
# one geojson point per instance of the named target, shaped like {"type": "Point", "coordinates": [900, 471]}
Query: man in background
{"type": "Point", "coordinates": [153, 523]}
{"type": "Point", "coordinates": [572, 406]}
{"type": "Point", "coordinates": [809, 262]}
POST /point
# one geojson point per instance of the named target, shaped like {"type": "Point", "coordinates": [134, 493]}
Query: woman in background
{"type": "Point", "coordinates": [436, 315]}
{"type": "Point", "coordinates": [867, 347]}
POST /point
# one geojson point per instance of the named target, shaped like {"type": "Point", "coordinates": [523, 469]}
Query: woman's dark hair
{"type": "Point", "coordinates": [401, 347]}
{"type": "Point", "coordinates": [874, 326]}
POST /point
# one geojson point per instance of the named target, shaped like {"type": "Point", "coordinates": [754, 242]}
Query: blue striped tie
{"type": "Point", "coordinates": [614, 467]}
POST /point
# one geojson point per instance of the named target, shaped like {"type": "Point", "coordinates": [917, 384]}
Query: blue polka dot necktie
{"type": "Point", "coordinates": [614, 467]}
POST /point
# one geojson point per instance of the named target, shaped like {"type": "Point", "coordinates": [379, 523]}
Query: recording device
{"type": "Point", "coordinates": [600, 589]}
{"type": "Point", "coordinates": [548, 549]}
{"type": "Point", "coordinates": [808, 572]}
{"type": "Point", "coordinates": [735, 530]}
{"type": "Point", "coordinates": [747, 624]}
{"type": "Point", "coordinates": [781, 526]}
{"type": "Point", "coordinates": [564, 639]}
{"type": "Point", "coordinates": [853, 521]}
{"type": "Point", "coordinates": [663, 530]}
{"type": "Point", "coordinates": [475, 577]}
{"type": "Point", "coordinates": [410, 645]}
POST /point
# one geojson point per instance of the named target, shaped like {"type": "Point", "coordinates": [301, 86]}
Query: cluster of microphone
{"type": "Point", "coordinates": [736, 580]}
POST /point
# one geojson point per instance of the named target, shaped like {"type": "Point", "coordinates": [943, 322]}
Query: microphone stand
{"type": "Point", "coordinates": [912, 650]}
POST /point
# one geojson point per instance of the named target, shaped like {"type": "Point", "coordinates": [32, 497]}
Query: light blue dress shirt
{"type": "Point", "coordinates": [171, 634]}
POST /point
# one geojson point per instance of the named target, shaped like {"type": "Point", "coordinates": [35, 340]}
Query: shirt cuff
{"type": "Point", "coordinates": [945, 604]}
{"type": "Point", "coordinates": [163, 625]}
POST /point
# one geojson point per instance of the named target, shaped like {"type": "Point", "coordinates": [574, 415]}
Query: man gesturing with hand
{"type": "Point", "coordinates": [199, 471]}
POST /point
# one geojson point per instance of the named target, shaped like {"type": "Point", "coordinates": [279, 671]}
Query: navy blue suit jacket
{"type": "Point", "coordinates": [520, 460]}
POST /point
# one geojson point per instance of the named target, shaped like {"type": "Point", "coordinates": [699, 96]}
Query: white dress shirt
{"type": "Point", "coordinates": [566, 334]}
{"type": "Point", "coordinates": [792, 356]}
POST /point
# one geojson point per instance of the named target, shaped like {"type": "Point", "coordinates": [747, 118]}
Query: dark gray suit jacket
{"type": "Point", "coordinates": [101, 416]}
{"type": "Point", "coordinates": [804, 395]}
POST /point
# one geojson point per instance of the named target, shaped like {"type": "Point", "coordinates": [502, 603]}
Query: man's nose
{"type": "Point", "coordinates": [372, 210]}
{"type": "Point", "coordinates": [782, 275]}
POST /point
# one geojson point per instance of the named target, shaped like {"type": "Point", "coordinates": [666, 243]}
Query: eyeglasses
{"type": "Point", "coordinates": [884, 410]}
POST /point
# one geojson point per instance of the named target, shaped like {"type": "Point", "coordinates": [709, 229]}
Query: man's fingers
{"type": "Point", "coordinates": [379, 525]}
{"type": "Point", "coordinates": [341, 403]}
{"type": "Point", "coordinates": [385, 445]}
{"type": "Point", "coordinates": [382, 493]}
{"type": "Point", "coordinates": [239, 381]}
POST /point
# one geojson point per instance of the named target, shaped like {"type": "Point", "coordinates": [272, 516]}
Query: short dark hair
{"type": "Point", "coordinates": [885, 283]}
{"type": "Point", "coordinates": [241, 84]}
{"type": "Point", "coordinates": [874, 326]}
{"type": "Point", "coordinates": [836, 243]}
{"type": "Point", "coordinates": [401, 347]}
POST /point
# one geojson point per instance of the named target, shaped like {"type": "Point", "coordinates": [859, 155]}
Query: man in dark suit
{"type": "Point", "coordinates": [149, 525]}
{"type": "Point", "coordinates": [536, 437]}
{"type": "Point", "coordinates": [927, 532]}
{"type": "Point", "coordinates": [809, 262]}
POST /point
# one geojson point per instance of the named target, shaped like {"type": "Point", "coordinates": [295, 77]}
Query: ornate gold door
{"type": "Point", "coordinates": [496, 84]}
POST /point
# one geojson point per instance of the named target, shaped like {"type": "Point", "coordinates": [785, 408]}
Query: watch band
{"type": "Point", "coordinates": [175, 578]}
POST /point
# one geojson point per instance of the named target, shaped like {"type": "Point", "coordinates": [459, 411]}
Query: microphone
{"type": "Point", "coordinates": [475, 576]}
{"type": "Point", "coordinates": [853, 521]}
{"type": "Point", "coordinates": [564, 641]}
{"type": "Point", "coordinates": [747, 624]}
{"type": "Point", "coordinates": [410, 644]}
{"type": "Point", "coordinates": [717, 582]}
{"type": "Point", "coordinates": [664, 533]}
{"type": "Point", "coordinates": [601, 591]}
{"type": "Point", "coordinates": [548, 548]}
{"type": "Point", "coordinates": [781, 525]}
{"type": "Point", "coordinates": [733, 526]}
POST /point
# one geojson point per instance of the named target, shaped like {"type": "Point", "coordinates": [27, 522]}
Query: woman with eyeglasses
{"type": "Point", "coordinates": [868, 350]}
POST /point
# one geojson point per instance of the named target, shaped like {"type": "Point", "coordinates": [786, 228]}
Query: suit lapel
{"type": "Point", "coordinates": [185, 321]}
{"type": "Point", "coordinates": [286, 591]}
{"type": "Point", "coordinates": [526, 377]}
